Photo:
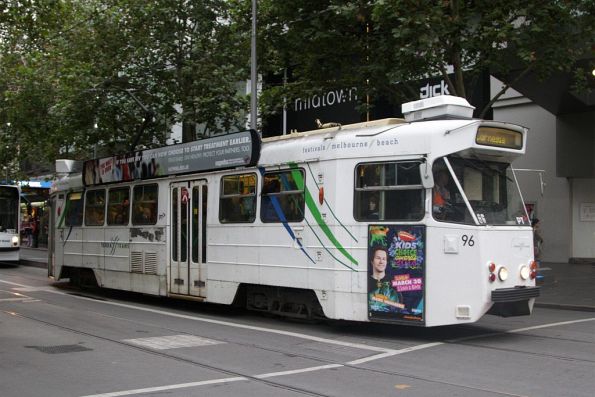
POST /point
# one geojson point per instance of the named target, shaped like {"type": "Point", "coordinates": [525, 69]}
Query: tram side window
{"type": "Point", "coordinates": [237, 203]}
{"type": "Point", "coordinates": [144, 210]}
{"type": "Point", "coordinates": [118, 206]}
{"type": "Point", "coordinates": [282, 197]}
{"type": "Point", "coordinates": [95, 208]}
{"type": "Point", "coordinates": [389, 191]}
{"type": "Point", "coordinates": [74, 209]}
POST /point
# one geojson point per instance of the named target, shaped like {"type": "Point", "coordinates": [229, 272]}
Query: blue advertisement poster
{"type": "Point", "coordinates": [396, 272]}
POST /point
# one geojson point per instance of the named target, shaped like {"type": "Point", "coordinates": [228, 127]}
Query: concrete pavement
{"type": "Point", "coordinates": [567, 286]}
{"type": "Point", "coordinates": [563, 285]}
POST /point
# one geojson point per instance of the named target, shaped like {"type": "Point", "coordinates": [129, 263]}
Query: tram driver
{"type": "Point", "coordinates": [441, 195]}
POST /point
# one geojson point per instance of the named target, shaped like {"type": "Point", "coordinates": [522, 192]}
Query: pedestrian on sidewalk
{"type": "Point", "coordinates": [537, 239]}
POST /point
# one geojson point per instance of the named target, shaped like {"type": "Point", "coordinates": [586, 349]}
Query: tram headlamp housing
{"type": "Point", "coordinates": [525, 272]}
{"type": "Point", "coordinates": [503, 273]}
{"type": "Point", "coordinates": [15, 241]}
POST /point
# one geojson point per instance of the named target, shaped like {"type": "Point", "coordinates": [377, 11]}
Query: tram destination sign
{"type": "Point", "coordinates": [499, 137]}
{"type": "Point", "coordinates": [216, 153]}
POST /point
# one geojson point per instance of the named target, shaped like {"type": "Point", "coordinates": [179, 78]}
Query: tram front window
{"type": "Point", "coordinates": [9, 205]}
{"type": "Point", "coordinates": [490, 187]}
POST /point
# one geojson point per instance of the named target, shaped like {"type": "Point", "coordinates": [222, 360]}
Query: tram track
{"type": "Point", "coordinates": [170, 356]}
{"type": "Point", "coordinates": [260, 378]}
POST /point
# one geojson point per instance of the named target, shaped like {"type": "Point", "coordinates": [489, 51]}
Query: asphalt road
{"type": "Point", "coordinates": [60, 341]}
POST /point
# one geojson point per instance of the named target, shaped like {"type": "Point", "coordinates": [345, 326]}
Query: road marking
{"type": "Point", "coordinates": [514, 331]}
{"type": "Point", "coordinates": [17, 297]}
{"type": "Point", "coordinates": [394, 353]}
{"type": "Point", "coordinates": [384, 352]}
{"type": "Point", "coordinates": [11, 283]}
{"type": "Point", "coordinates": [172, 342]}
{"type": "Point", "coordinates": [298, 371]}
{"type": "Point", "coordinates": [220, 322]}
{"type": "Point", "coordinates": [170, 387]}
{"type": "Point", "coordinates": [34, 289]}
{"type": "Point", "coordinates": [387, 353]}
{"type": "Point", "coordinates": [238, 325]}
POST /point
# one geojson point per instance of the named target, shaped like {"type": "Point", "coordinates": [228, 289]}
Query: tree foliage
{"type": "Point", "coordinates": [77, 77]}
{"type": "Point", "coordinates": [381, 46]}
{"type": "Point", "coordinates": [80, 75]}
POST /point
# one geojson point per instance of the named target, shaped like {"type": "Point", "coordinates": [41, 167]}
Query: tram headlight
{"type": "Point", "coordinates": [503, 273]}
{"type": "Point", "coordinates": [15, 241]}
{"type": "Point", "coordinates": [525, 272]}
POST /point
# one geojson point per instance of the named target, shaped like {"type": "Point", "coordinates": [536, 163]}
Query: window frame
{"type": "Point", "coordinates": [68, 210]}
{"type": "Point", "coordinates": [136, 218]}
{"type": "Point", "coordinates": [225, 196]}
{"type": "Point", "coordinates": [89, 208]}
{"type": "Point", "coordinates": [264, 207]}
{"type": "Point", "coordinates": [109, 204]}
{"type": "Point", "coordinates": [382, 190]}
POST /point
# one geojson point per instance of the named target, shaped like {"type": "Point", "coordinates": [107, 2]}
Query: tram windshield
{"type": "Point", "coordinates": [489, 187]}
{"type": "Point", "coordinates": [9, 209]}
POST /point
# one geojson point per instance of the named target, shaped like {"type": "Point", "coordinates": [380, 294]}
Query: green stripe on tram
{"type": "Point", "coordinates": [329, 207]}
{"type": "Point", "coordinates": [297, 176]}
{"type": "Point", "coordinates": [63, 214]}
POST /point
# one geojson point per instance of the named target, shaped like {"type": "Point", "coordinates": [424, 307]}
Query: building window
{"type": "Point", "coordinates": [95, 208]}
{"type": "Point", "coordinates": [282, 196]}
{"type": "Point", "coordinates": [74, 209]}
{"type": "Point", "coordinates": [237, 203]}
{"type": "Point", "coordinates": [118, 206]}
{"type": "Point", "coordinates": [144, 210]}
{"type": "Point", "coordinates": [389, 191]}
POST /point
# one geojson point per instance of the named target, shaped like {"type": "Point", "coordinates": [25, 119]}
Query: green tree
{"type": "Point", "coordinates": [68, 88]}
{"type": "Point", "coordinates": [381, 46]}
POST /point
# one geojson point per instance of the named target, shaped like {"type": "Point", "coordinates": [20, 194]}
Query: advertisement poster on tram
{"type": "Point", "coordinates": [218, 152]}
{"type": "Point", "coordinates": [396, 269]}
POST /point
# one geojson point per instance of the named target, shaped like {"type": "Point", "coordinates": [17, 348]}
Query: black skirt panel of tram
{"type": "Point", "coordinates": [509, 302]}
{"type": "Point", "coordinates": [514, 294]}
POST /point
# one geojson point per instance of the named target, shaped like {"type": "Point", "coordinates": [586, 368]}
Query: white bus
{"type": "Point", "coordinates": [417, 221]}
{"type": "Point", "coordinates": [9, 223]}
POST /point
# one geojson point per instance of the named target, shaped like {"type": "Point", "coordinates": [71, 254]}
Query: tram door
{"type": "Point", "coordinates": [188, 238]}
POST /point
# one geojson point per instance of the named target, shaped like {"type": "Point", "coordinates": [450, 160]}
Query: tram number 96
{"type": "Point", "coordinates": [468, 240]}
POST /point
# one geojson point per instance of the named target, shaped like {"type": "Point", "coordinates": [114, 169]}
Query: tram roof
{"type": "Point", "coordinates": [388, 137]}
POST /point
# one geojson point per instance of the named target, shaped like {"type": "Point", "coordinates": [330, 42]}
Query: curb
{"type": "Point", "coordinates": [33, 264]}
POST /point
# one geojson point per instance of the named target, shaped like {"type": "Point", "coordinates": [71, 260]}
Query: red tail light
{"type": "Point", "coordinates": [492, 267]}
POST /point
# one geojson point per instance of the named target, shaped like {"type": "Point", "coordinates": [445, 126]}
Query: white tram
{"type": "Point", "coordinates": [9, 223]}
{"type": "Point", "coordinates": [416, 221]}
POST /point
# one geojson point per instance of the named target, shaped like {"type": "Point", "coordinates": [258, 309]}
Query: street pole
{"type": "Point", "coordinates": [253, 72]}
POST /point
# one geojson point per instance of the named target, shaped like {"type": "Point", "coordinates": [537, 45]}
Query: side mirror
{"type": "Point", "coordinates": [427, 178]}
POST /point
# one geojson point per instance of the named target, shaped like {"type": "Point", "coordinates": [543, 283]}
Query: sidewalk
{"type": "Point", "coordinates": [563, 286]}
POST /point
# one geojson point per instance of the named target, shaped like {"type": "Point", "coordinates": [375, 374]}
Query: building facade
{"type": "Point", "coordinates": [558, 173]}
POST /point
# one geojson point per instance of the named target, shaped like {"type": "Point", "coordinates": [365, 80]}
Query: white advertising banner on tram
{"type": "Point", "coordinates": [226, 151]}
